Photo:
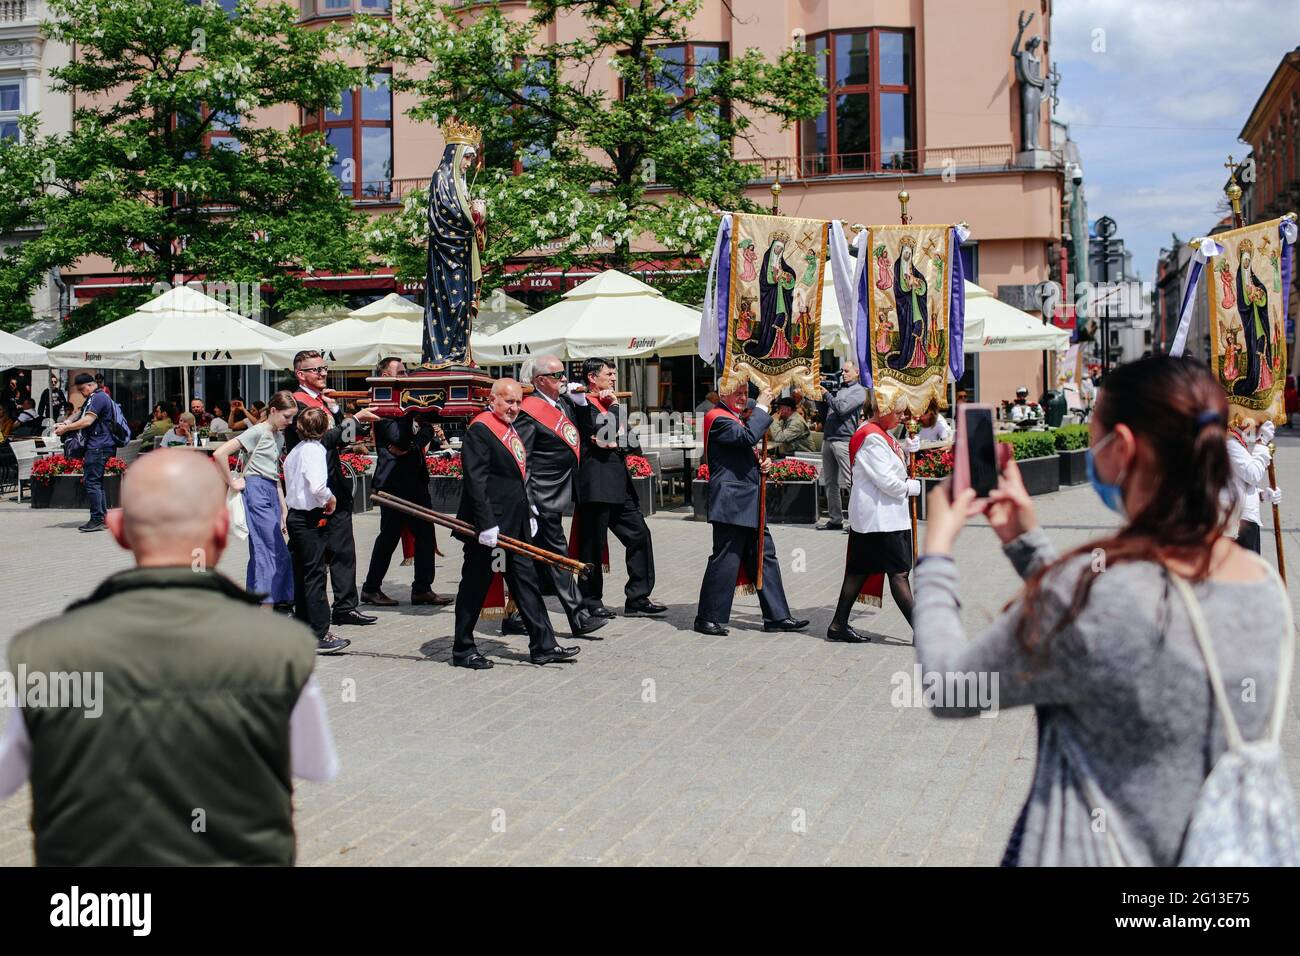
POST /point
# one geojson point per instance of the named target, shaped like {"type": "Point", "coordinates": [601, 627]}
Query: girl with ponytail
{"type": "Point", "coordinates": [1100, 640]}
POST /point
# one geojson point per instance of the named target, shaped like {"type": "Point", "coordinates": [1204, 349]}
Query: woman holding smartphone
{"type": "Point", "coordinates": [1125, 668]}
{"type": "Point", "coordinates": [880, 523]}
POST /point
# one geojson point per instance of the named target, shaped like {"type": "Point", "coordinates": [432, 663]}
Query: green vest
{"type": "Point", "coordinates": [189, 761]}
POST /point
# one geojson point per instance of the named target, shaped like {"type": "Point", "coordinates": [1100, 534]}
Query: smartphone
{"type": "Point", "coordinates": [975, 463]}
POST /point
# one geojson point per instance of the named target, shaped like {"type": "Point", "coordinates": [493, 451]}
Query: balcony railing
{"type": "Point", "coordinates": [993, 157]}
{"type": "Point", "coordinates": [13, 11]}
{"type": "Point", "coordinates": [383, 191]}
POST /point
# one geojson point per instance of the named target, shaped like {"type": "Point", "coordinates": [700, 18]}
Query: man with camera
{"type": "Point", "coordinates": [844, 400]}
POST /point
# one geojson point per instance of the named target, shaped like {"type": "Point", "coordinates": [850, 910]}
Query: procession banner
{"type": "Point", "coordinates": [1069, 376]}
{"type": "Point", "coordinates": [1246, 289]}
{"type": "Point", "coordinates": [915, 305]}
{"type": "Point", "coordinates": [769, 321]}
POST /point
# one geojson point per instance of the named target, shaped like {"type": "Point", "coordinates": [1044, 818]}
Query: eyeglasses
{"type": "Point", "coordinates": [316, 370]}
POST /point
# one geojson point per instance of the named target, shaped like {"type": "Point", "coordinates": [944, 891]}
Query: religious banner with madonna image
{"type": "Point", "coordinates": [909, 295]}
{"type": "Point", "coordinates": [1246, 289]}
{"type": "Point", "coordinates": [773, 318]}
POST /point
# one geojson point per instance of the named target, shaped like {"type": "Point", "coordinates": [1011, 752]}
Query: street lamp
{"type": "Point", "coordinates": [1106, 228]}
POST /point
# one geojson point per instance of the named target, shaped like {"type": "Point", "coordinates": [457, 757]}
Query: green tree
{"type": "Point", "coordinates": [604, 172]}
{"type": "Point", "coordinates": [143, 182]}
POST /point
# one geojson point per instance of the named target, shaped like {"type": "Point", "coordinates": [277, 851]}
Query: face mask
{"type": "Point", "coordinates": [1111, 495]}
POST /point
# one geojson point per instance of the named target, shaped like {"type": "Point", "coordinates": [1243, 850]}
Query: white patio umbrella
{"type": "Point", "coordinates": [181, 328]}
{"type": "Point", "coordinates": [392, 326]}
{"type": "Point", "coordinates": [310, 318]}
{"type": "Point", "coordinates": [994, 326]}
{"type": "Point", "coordinates": [611, 315]}
{"type": "Point", "coordinates": [20, 353]}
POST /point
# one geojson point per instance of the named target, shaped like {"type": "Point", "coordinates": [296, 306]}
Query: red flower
{"type": "Point", "coordinates": [702, 473]}
{"type": "Point", "coordinates": [444, 466]}
{"type": "Point", "coordinates": [933, 463]}
{"type": "Point", "coordinates": [638, 466]}
{"type": "Point", "coordinates": [49, 467]}
{"type": "Point", "coordinates": [360, 464]}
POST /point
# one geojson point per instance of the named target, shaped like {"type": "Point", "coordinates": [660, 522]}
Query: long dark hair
{"type": "Point", "coordinates": [1179, 412]}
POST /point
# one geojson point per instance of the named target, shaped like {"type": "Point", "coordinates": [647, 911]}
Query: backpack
{"type": "Point", "coordinates": [1245, 814]}
{"type": "Point", "coordinates": [118, 429]}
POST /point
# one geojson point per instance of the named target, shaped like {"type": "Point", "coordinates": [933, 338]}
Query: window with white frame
{"type": "Point", "coordinates": [11, 106]}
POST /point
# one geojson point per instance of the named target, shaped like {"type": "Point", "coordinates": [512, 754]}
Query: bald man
{"type": "Point", "coordinates": [495, 500]}
{"type": "Point", "coordinates": [205, 706]}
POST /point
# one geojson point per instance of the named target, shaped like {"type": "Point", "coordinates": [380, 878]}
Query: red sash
{"type": "Point", "coordinates": [873, 591]}
{"type": "Point", "coordinates": [508, 436]}
{"type": "Point", "coordinates": [544, 413]}
{"type": "Point", "coordinates": [600, 405]}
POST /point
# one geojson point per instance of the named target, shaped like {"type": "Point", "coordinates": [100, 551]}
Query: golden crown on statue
{"type": "Point", "coordinates": [1245, 246]}
{"type": "Point", "coordinates": [454, 131]}
{"type": "Point", "coordinates": [780, 236]}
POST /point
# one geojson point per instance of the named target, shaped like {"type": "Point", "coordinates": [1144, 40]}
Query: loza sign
{"type": "Point", "coordinates": [212, 355]}
{"type": "Point", "coordinates": [519, 349]}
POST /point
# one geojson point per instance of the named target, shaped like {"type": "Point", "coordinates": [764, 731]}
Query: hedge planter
{"type": "Point", "coordinates": [445, 494]}
{"type": "Point", "coordinates": [1041, 475]}
{"type": "Point", "coordinates": [68, 491]}
{"type": "Point", "coordinates": [790, 502]}
{"type": "Point", "coordinates": [927, 485]}
{"type": "Point", "coordinates": [645, 493]}
{"type": "Point", "coordinates": [361, 494]}
{"type": "Point", "coordinates": [1073, 466]}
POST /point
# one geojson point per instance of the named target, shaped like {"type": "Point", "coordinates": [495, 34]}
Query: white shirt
{"type": "Point", "coordinates": [1249, 471]}
{"type": "Point", "coordinates": [939, 431]}
{"type": "Point", "coordinates": [172, 438]}
{"type": "Point", "coordinates": [306, 477]}
{"type": "Point", "coordinates": [311, 745]}
{"type": "Point", "coordinates": [218, 425]}
{"type": "Point", "coordinates": [878, 498]}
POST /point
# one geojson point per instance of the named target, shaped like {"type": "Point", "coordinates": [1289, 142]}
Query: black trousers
{"type": "Point", "coordinates": [525, 590]}
{"type": "Point", "coordinates": [391, 523]}
{"type": "Point", "coordinates": [550, 535]}
{"type": "Point", "coordinates": [343, 561]}
{"type": "Point", "coordinates": [732, 544]}
{"type": "Point", "coordinates": [595, 520]}
{"type": "Point", "coordinates": [309, 551]}
{"type": "Point", "coordinates": [1248, 536]}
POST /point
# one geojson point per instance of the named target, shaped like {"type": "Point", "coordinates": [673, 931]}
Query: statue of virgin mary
{"type": "Point", "coordinates": [454, 272]}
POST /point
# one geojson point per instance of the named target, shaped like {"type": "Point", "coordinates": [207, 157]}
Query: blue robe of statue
{"type": "Point", "coordinates": [449, 281]}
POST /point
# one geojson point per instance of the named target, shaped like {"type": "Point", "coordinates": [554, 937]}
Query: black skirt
{"type": "Point", "coordinates": [879, 552]}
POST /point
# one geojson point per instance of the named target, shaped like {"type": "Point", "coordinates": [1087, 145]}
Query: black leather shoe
{"type": "Point", "coordinates": [831, 526]}
{"type": "Point", "coordinates": [378, 598]}
{"type": "Point", "coordinates": [711, 629]}
{"type": "Point", "coordinates": [789, 624]}
{"type": "Point", "coordinates": [555, 655]}
{"type": "Point", "coordinates": [353, 617]}
{"type": "Point", "coordinates": [643, 608]}
{"type": "Point", "coordinates": [602, 611]}
{"type": "Point", "coordinates": [586, 624]}
{"type": "Point", "coordinates": [476, 662]}
{"type": "Point", "coordinates": [514, 624]}
{"type": "Point", "coordinates": [846, 635]}
{"type": "Point", "coordinates": [92, 526]}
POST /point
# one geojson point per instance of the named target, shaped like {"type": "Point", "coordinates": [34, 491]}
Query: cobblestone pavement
{"type": "Point", "coordinates": [659, 745]}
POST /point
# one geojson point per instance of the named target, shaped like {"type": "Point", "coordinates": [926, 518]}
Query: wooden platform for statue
{"type": "Point", "coordinates": [457, 392]}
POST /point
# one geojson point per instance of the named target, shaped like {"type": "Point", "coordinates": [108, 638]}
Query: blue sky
{"type": "Point", "coordinates": [1155, 92]}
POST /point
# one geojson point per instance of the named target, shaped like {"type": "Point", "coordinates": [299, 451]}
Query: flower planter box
{"type": "Point", "coordinates": [1041, 475]}
{"type": "Point", "coordinates": [645, 493]}
{"type": "Point", "coordinates": [361, 494]}
{"type": "Point", "coordinates": [927, 485]}
{"type": "Point", "coordinates": [790, 502]}
{"type": "Point", "coordinates": [445, 494]}
{"type": "Point", "coordinates": [1073, 466]}
{"type": "Point", "coordinates": [68, 491]}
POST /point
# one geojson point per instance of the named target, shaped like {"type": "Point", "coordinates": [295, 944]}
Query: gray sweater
{"type": "Point", "coordinates": [1121, 694]}
{"type": "Point", "coordinates": [843, 409]}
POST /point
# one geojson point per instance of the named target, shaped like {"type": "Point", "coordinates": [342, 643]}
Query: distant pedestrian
{"type": "Point", "coordinates": [99, 446]}
{"type": "Point", "coordinates": [206, 709]}
{"type": "Point", "coordinates": [843, 410]}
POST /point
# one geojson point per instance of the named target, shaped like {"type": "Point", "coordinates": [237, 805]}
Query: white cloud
{"type": "Point", "coordinates": [1203, 106]}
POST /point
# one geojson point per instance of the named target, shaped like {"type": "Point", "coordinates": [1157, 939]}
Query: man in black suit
{"type": "Point", "coordinates": [309, 369]}
{"type": "Point", "coordinates": [494, 500]}
{"type": "Point", "coordinates": [400, 444]}
{"type": "Point", "coordinates": [554, 448]}
{"type": "Point", "coordinates": [607, 499]}
{"type": "Point", "coordinates": [734, 468]}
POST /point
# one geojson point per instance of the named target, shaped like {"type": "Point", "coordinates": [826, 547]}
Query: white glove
{"type": "Point", "coordinates": [1266, 432]}
{"type": "Point", "coordinates": [488, 538]}
{"type": "Point", "coordinates": [913, 487]}
{"type": "Point", "coordinates": [1272, 495]}
{"type": "Point", "coordinates": [912, 445]}
{"type": "Point", "coordinates": [579, 398]}
{"type": "Point", "coordinates": [532, 527]}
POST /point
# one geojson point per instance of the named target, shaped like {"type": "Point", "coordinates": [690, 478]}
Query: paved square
{"type": "Point", "coordinates": [659, 745]}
